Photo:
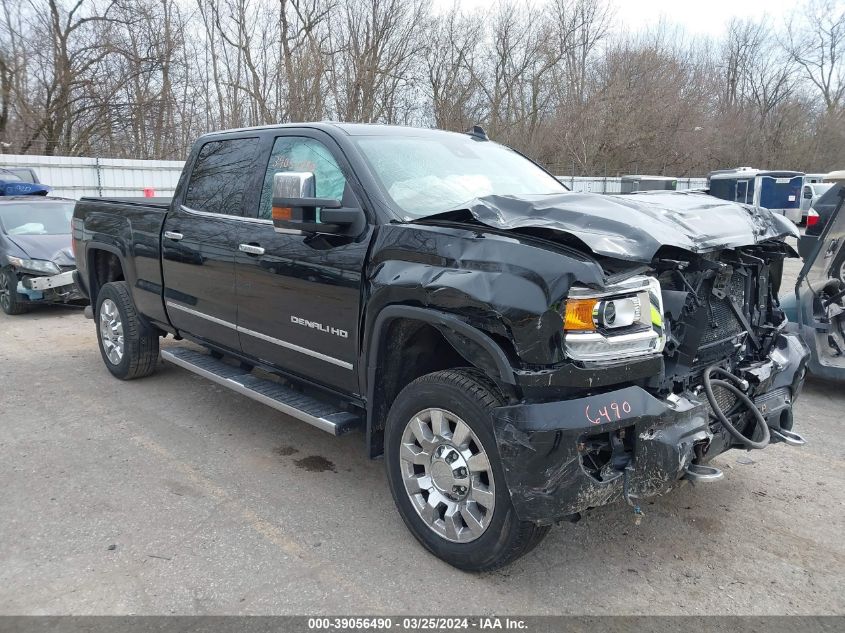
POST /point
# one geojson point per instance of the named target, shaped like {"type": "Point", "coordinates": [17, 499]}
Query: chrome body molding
{"type": "Point", "coordinates": [264, 337]}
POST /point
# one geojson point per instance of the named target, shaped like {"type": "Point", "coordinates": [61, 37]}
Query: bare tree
{"type": "Point", "coordinates": [558, 80]}
{"type": "Point", "coordinates": [451, 62]}
{"type": "Point", "coordinates": [817, 44]}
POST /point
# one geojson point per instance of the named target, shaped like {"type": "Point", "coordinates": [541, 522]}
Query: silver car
{"type": "Point", "coordinates": [811, 192]}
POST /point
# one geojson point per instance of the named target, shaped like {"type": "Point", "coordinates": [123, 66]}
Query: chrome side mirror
{"type": "Point", "coordinates": [295, 207]}
{"type": "Point", "coordinates": [294, 184]}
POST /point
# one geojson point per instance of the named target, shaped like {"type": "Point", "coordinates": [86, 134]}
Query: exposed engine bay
{"type": "Point", "coordinates": [723, 325]}
{"type": "Point", "coordinates": [722, 308]}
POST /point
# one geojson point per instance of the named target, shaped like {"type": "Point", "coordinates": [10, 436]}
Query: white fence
{"type": "Point", "coordinates": [73, 177]}
{"type": "Point", "coordinates": [614, 185]}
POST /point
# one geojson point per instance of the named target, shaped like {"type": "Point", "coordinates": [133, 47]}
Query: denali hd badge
{"type": "Point", "coordinates": [319, 326]}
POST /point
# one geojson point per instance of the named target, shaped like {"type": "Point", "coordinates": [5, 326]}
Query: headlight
{"type": "Point", "coordinates": [624, 321]}
{"type": "Point", "coordinates": [34, 265]}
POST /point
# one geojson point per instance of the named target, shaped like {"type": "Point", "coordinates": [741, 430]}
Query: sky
{"type": "Point", "coordinates": [697, 17]}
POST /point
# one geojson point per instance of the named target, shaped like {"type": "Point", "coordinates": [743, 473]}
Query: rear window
{"type": "Point", "coordinates": [25, 174]}
{"type": "Point", "coordinates": [220, 176]}
{"type": "Point", "coordinates": [828, 201]}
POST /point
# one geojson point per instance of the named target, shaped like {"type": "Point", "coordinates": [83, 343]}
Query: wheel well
{"type": "Point", "coordinates": [409, 349]}
{"type": "Point", "coordinates": [105, 267]}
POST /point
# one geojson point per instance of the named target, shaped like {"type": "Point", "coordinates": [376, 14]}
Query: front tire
{"type": "Point", "coordinates": [10, 301]}
{"type": "Point", "coordinates": [129, 346]}
{"type": "Point", "coordinates": [445, 474]}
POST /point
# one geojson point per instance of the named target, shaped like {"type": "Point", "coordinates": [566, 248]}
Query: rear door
{"type": "Point", "coordinates": [299, 296]}
{"type": "Point", "coordinates": [200, 239]}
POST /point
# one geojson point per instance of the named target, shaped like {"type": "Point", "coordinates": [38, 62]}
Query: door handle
{"type": "Point", "coordinates": [173, 235]}
{"type": "Point", "coordinates": [252, 249]}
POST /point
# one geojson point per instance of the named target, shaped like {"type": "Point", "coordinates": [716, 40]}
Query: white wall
{"type": "Point", "coordinates": [117, 177]}
{"type": "Point", "coordinates": [614, 185]}
{"type": "Point", "coordinates": [74, 177]}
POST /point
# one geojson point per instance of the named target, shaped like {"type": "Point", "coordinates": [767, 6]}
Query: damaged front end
{"type": "Point", "coordinates": [47, 280]}
{"type": "Point", "coordinates": [671, 364]}
{"type": "Point", "coordinates": [58, 288]}
{"type": "Point", "coordinates": [563, 457]}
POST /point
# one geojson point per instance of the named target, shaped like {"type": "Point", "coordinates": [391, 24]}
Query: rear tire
{"type": "Point", "coordinates": [129, 345]}
{"type": "Point", "coordinates": [442, 514]}
{"type": "Point", "coordinates": [10, 300]}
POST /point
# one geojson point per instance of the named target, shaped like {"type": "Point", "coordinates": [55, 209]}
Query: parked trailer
{"type": "Point", "coordinates": [777, 191]}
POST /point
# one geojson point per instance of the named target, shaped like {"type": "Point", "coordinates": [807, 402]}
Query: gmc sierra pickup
{"type": "Point", "coordinates": [518, 353]}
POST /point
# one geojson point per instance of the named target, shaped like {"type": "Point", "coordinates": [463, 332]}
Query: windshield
{"type": "Point", "coordinates": [36, 218]}
{"type": "Point", "coordinates": [428, 175]}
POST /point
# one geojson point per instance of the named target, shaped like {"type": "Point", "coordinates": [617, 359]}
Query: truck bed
{"type": "Point", "coordinates": [130, 229]}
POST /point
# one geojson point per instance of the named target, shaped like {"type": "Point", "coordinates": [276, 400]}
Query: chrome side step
{"type": "Point", "coordinates": [700, 472]}
{"type": "Point", "coordinates": [280, 397]}
{"type": "Point", "coordinates": [789, 437]}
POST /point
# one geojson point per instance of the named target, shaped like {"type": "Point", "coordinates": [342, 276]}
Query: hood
{"type": "Point", "coordinates": [55, 248]}
{"type": "Point", "coordinates": [634, 227]}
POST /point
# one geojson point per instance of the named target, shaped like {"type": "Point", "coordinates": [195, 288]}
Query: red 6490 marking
{"type": "Point", "coordinates": [609, 412]}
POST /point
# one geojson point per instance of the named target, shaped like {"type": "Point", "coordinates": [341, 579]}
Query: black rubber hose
{"type": "Point", "coordinates": [709, 383]}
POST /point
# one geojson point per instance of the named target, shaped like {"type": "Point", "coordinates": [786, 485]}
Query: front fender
{"type": "Point", "coordinates": [508, 286]}
{"type": "Point", "coordinates": [471, 343]}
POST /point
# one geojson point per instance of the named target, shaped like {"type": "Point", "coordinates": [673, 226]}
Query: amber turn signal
{"type": "Point", "coordinates": [282, 213]}
{"type": "Point", "coordinates": [579, 315]}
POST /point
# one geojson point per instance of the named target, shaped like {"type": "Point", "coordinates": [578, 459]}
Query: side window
{"type": "Point", "coordinates": [220, 176]}
{"type": "Point", "coordinates": [297, 153]}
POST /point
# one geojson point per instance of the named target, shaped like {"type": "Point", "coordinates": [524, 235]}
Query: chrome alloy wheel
{"type": "Point", "coordinates": [5, 291]}
{"type": "Point", "coordinates": [447, 475]}
{"type": "Point", "coordinates": [111, 331]}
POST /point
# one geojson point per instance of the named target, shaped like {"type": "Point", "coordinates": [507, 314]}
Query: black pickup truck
{"type": "Point", "coordinates": [518, 353]}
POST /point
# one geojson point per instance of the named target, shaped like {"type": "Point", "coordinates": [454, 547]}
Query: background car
{"type": "Point", "coordinates": [36, 256]}
{"type": "Point", "coordinates": [824, 206]}
{"type": "Point", "coordinates": [810, 193]}
{"type": "Point", "coordinates": [21, 182]}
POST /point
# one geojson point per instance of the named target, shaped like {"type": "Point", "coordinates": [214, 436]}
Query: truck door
{"type": "Point", "coordinates": [299, 295]}
{"type": "Point", "coordinates": [200, 240]}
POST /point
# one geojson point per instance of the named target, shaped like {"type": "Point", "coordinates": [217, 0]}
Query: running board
{"type": "Point", "coordinates": [293, 403]}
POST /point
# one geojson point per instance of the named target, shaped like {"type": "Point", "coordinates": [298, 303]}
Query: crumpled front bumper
{"type": "Point", "coordinates": [544, 446]}
{"type": "Point", "coordinates": [59, 288]}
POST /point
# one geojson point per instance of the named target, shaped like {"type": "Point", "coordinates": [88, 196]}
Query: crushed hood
{"type": "Point", "coordinates": [634, 227]}
{"type": "Point", "coordinates": [55, 248]}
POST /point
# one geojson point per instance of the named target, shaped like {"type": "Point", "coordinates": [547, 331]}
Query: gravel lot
{"type": "Point", "coordinates": [173, 495]}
